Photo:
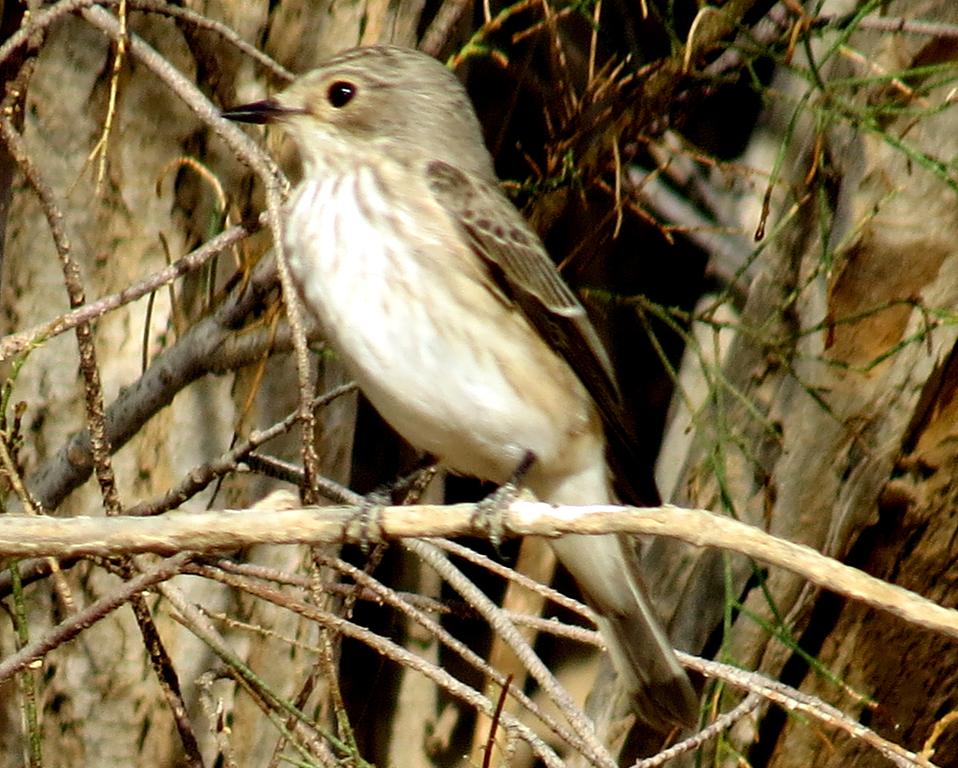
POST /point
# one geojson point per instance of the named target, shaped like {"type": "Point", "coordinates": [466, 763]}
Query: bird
{"type": "Point", "coordinates": [443, 304]}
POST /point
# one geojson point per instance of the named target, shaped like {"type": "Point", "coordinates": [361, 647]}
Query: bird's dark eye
{"type": "Point", "coordinates": [341, 93]}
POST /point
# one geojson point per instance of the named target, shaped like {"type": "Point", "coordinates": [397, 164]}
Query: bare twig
{"type": "Point", "coordinates": [491, 739]}
{"type": "Point", "coordinates": [205, 348]}
{"type": "Point", "coordinates": [894, 24]}
{"type": "Point", "coordinates": [166, 675]}
{"type": "Point", "coordinates": [194, 619]}
{"type": "Point", "coordinates": [27, 35]}
{"type": "Point", "coordinates": [524, 581]}
{"type": "Point", "coordinates": [276, 190]}
{"type": "Point", "coordinates": [71, 627]}
{"type": "Point", "coordinates": [103, 145]}
{"type": "Point", "coordinates": [229, 34]}
{"type": "Point", "coordinates": [100, 450]}
{"type": "Point", "coordinates": [17, 343]}
{"type": "Point", "coordinates": [213, 709]}
{"type": "Point", "coordinates": [47, 18]}
{"type": "Point", "coordinates": [595, 751]}
{"type": "Point", "coordinates": [722, 723]}
{"type": "Point", "coordinates": [390, 597]}
{"type": "Point", "coordinates": [201, 476]}
{"type": "Point", "coordinates": [793, 700]}
{"type": "Point", "coordinates": [428, 605]}
{"type": "Point", "coordinates": [202, 628]}
{"type": "Point", "coordinates": [11, 473]}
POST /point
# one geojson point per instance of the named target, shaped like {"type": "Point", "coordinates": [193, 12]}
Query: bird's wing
{"type": "Point", "coordinates": [521, 268]}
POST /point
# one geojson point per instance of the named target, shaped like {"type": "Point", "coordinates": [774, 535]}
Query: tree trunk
{"type": "Point", "coordinates": [832, 424]}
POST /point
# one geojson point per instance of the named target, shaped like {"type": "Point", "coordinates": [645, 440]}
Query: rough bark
{"type": "Point", "coordinates": [839, 432]}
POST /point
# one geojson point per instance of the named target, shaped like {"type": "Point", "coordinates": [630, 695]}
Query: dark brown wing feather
{"type": "Point", "coordinates": [522, 269]}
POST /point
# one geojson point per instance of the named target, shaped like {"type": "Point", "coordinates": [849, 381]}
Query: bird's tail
{"type": "Point", "coordinates": [606, 569]}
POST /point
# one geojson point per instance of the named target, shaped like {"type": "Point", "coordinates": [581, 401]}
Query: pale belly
{"type": "Point", "coordinates": [454, 370]}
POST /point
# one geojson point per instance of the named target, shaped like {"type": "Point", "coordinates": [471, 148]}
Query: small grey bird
{"type": "Point", "coordinates": [444, 305]}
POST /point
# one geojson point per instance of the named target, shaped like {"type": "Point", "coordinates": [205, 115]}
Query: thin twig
{"type": "Point", "coordinates": [596, 752]}
{"type": "Point", "coordinates": [191, 617]}
{"type": "Point", "coordinates": [69, 628]}
{"type": "Point", "coordinates": [45, 19]}
{"type": "Point", "coordinates": [427, 605]}
{"type": "Point", "coordinates": [11, 473]}
{"type": "Point", "coordinates": [894, 24]}
{"type": "Point", "coordinates": [103, 145]}
{"type": "Point", "coordinates": [100, 450]}
{"type": "Point", "coordinates": [210, 346]}
{"type": "Point", "coordinates": [228, 34]}
{"type": "Point", "coordinates": [793, 700]}
{"type": "Point", "coordinates": [28, 35]}
{"type": "Point", "coordinates": [390, 597]}
{"type": "Point", "coordinates": [722, 723]}
{"type": "Point", "coordinates": [200, 477]}
{"type": "Point", "coordinates": [166, 676]}
{"type": "Point", "coordinates": [213, 709]}
{"type": "Point", "coordinates": [276, 190]}
{"type": "Point", "coordinates": [17, 343]}
{"type": "Point", "coordinates": [522, 580]}
{"type": "Point", "coordinates": [201, 627]}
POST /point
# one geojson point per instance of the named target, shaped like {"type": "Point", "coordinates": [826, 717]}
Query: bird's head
{"type": "Point", "coordinates": [380, 99]}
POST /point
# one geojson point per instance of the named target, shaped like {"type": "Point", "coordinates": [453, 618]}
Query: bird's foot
{"type": "Point", "coordinates": [367, 516]}
{"type": "Point", "coordinates": [403, 490]}
{"type": "Point", "coordinates": [489, 511]}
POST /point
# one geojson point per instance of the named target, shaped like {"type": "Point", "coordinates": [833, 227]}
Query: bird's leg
{"type": "Point", "coordinates": [419, 482]}
{"type": "Point", "coordinates": [488, 515]}
{"type": "Point", "coordinates": [405, 489]}
{"type": "Point", "coordinates": [409, 488]}
{"type": "Point", "coordinates": [520, 472]}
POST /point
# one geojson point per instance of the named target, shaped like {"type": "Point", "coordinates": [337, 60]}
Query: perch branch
{"type": "Point", "coordinates": [22, 536]}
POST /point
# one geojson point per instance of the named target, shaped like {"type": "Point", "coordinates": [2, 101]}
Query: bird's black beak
{"type": "Point", "coordinates": [265, 111]}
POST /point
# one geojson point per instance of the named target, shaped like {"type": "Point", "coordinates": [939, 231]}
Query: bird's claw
{"type": "Point", "coordinates": [402, 491]}
{"type": "Point", "coordinates": [489, 512]}
{"type": "Point", "coordinates": [487, 518]}
{"type": "Point", "coordinates": [367, 516]}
